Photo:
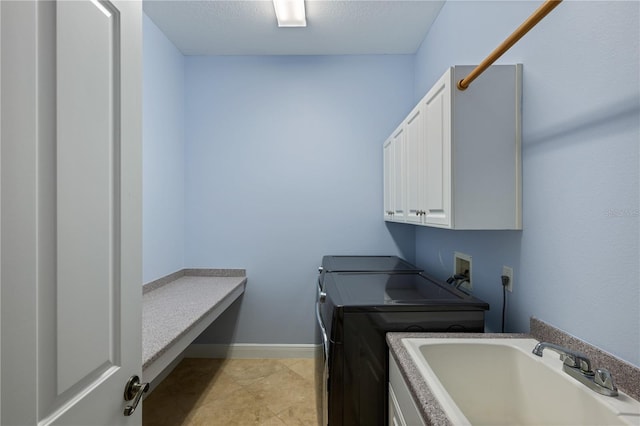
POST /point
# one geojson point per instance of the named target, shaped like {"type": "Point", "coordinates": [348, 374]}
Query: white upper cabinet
{"type": "Point", "coordinates": [394, 176]}
{"type": "Point", "coordinates": [389, 180]}
{"type": "Point", "coordinates": [461, 164]}
{"type": "Point", "coordinates": [400, 179]}
{"type": "Point", "coordinates": [437, 160]}
{"type": "Point", "coordinates": [414, 165]}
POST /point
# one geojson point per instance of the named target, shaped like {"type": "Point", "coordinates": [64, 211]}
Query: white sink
{"type": "Point", "coordinates": [498, 381]}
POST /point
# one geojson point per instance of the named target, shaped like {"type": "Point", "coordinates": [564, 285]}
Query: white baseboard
{"type": "Point", "coordinates": [255, 351]}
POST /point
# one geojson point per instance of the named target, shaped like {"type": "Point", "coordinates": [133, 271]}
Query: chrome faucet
{"type": "Point", "coordinates": [577, 365]}
{"type": "Point", "coordinates": [570, 358]}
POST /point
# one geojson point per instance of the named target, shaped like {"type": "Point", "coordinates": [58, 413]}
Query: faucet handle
{"type": "Point", "coordinates": [577, 360]}
{"type": "Point", "coordinates": [568, 360]}
{"type": "Point", "coordinates": [603, 378]}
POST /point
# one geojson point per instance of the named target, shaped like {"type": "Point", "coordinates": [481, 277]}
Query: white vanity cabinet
{"type": "Point", "coordinates": [462, 159]}
{"type": "Point", "coordinates": [402, 409]}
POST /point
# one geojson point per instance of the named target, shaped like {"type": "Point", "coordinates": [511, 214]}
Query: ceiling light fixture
{"type": "Point", "coordinates": [290, 13]}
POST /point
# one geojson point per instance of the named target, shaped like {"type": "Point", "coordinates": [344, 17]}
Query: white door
{"type": "Point", "coordinates": [70, 210]}
{"type": "Point", "coordinates": [399, 175]}
{"type": "Point", "coordinates": [414, 165]}
{"type": "Point", "coordinates": [437, 111]}
{"type": "Point", "coordinates": [389, 180]}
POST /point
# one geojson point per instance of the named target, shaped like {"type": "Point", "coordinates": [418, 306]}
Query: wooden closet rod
{"type": "Point", "coordinates": [531, 22]}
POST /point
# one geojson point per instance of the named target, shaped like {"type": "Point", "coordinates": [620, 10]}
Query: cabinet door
{"type": "Point", "coordinates": [399, 172]}
{"type": "Point", "coordinates": [402, 409]}
{"type": "Point", "coordinates": [437, 112]}
{"type": "Point", "coordinates": [395, 413]}
{"type": "Point", "coordinates": [414, 165]}
{"type": "Point", "coordinates": [389, 179]}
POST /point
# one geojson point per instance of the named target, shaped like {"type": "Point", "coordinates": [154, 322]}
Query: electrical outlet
{"type": "Point", "coordinates": [462, 266]}
{"type": "Point", "coordinates": [507, 271]}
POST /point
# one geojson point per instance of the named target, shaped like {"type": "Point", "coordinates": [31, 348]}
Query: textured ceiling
{"type": "Point", "coordinates": [334, 27]}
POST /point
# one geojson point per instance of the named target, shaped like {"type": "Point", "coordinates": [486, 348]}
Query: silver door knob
{"type": "Point", "coordinates": [133, 390]}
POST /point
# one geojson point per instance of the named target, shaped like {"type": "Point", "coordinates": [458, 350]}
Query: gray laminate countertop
{"type": "Point", "coordinates": [173, 305]}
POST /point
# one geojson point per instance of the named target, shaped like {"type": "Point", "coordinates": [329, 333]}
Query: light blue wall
{"type": "Point", "coordinates": [163, 159]}
{"type": "Point", "coordinates": [260, 196]}
{"type": "Point", "coordinates": [577, 260]}
{"type": "Point", "coordinates": [284, 165]}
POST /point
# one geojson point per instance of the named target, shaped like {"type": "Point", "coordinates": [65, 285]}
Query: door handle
{"type": "Point", "coordinates": [133, 390]}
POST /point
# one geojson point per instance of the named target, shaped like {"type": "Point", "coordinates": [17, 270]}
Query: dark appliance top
{"type": "Point", "coordinates": [358, 291]}
{"type": "Point", "coordinates": [366, 264]}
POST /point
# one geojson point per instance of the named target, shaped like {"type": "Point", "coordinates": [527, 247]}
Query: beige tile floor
{"type": "Point", "coordinates": [234, 392]}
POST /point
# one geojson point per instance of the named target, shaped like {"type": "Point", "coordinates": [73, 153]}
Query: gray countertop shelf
{"type": "Point", "coordinates": [180, 306]}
